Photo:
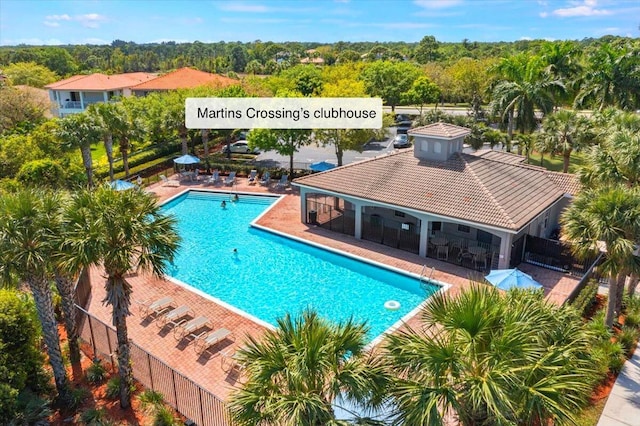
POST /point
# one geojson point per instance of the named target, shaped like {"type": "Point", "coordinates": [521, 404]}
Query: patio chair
{"type": "Point", "coordinates": [169, 182]}
{"type": "Point", "coordinates": [155, 307]}
{"type": "Point", "coordinates": [229, 362]}
{"type": "Point", "coordinates": [213, 179]}
{"type": "Point", "coordinates": [174, 316]}
{"type": "Point", "coordinates": [231, 179]}
{"type": "Point", "coordinates": [189, 328]}
{"type": "Point", "coordinates": [266, 179]}
{"type": "Point", "coordinates": [253, 177]}
{"type": "Point", "coordinates": [283, 182]}
{"type": "Point", "coordinates": [442, 253]}
{"type": "Point", "coordinates": [204, 341]}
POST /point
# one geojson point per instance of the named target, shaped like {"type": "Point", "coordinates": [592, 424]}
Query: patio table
{"type": "Point", "coordinates": [439, 241]}
{"type": "Point", "coordinates": [477, 251]}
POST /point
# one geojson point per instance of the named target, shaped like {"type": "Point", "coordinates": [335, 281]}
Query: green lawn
{"type": "Point", "coordinates": [555, 163]}
{"type": "Point", "coordinates": [98, 152]}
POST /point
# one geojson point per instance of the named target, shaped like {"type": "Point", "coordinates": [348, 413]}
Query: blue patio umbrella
{"type": "Point", "coordinates": [321, 166]}
{"type": "Point", "coordinates": [121, 185]}
{"type": "Point", "coordinates": [505, 279]}
{"type": "Point", "coordinates": [187, 159]}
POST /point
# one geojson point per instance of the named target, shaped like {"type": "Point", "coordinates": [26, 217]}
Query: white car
{"type": "Point", "coordinates": [240, 147]}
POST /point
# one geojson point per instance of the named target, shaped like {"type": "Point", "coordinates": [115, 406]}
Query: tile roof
{"type": "Point", "coordinates": [502, 156]}
{"type": "Point", "coordinates": [185, 78]}
{"type": "Point", "coordinates": [440, 130]}
{"type": "Point", "coordinates": [466, 187]}
{"type": "Point", "coordinates": [101, 82]}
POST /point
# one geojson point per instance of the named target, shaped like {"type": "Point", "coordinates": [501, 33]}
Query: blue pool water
{"type": "Point", "coordinates": [271, 275]}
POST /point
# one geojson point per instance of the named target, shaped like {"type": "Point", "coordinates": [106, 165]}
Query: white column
{"type": "Point", "coordinates": [81, 100]}
{"type": "Point", "coordinates": [358, 210]}
{"type": "Point", "coordinates": [506, 239]}
{"type": "Point", "coordinates": [424, 237]}
{"type": "Point", "coordinates": [104, 96]}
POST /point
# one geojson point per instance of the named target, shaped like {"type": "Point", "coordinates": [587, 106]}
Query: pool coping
{"type": "Point", "coordinates": [374, 342]}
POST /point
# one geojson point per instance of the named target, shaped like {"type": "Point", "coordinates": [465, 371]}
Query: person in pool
{"type": "Point", "coordinates": [235, 198]}
{"type": "Point", "coordinates": [223, 204]}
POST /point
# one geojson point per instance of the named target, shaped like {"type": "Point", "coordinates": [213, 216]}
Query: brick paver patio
{"type": "Point", "coordinates": [285, 217]}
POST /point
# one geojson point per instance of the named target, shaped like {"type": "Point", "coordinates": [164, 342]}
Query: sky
{"type": "Point", "coordinates": [48, 22]}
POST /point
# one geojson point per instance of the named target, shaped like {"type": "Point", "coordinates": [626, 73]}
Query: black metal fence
{"type": "Point", "coordinates": [465, 252]}
{"type": "Point", "coordinates": [391, 232]}
{"type": "Point", "coordinates": [180, 392]}
{"type": "Point", "coordinates": [330, 213]}
{"type": "Point", "coordinates": [555, 255]}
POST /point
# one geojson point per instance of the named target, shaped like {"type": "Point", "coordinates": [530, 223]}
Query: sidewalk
{"type": "Point", "coordinates": [623, 405]}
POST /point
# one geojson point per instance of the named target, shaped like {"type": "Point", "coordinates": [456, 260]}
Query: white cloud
{"type": "Point", "coordinates": [90, 20]}
{"type": "Point", "coordinates": [244, 7]}
{"type": "Point", "coordinates": [543, 14]}
{"type": "Point", "coordinates": [93, 40]}
{"type": "Point", "coordinates": [31, 42]}
{"type": "Point", "coordinates": [63, 17]}
{"type": "Point", "coordinates": [437, 4]}
{"type": "Point", "coordinates": [52, 24]}
{"type": "Point", "coordinates": [584, 8]}
{"type": "Point", "coordinates": [526, 38]}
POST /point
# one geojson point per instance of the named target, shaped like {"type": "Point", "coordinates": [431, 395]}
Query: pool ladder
{"type": "Point", "coordinates": [423, 284]}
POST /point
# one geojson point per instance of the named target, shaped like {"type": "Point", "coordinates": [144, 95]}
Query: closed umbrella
{"type": "Point", "coordinates": [506, 279]}
{"type": "Point", "coordinates": [121, 185]}
{"type": "Point", "coordinates": [187, 159]}
{"type": "Point", "coordinates": [321, 166]}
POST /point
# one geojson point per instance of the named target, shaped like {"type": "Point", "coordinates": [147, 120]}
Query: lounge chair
{"type": "Point", "coordinates": [155, 307]}
{"type": "Point", "coordinates": [189, 328]}
{"type": "Point", "coordinates": [253, 177]}
{"type": "Point", "coordinates": [266, 179]}
{"type": "Point", "coordinates": [204, 341]}
{"type": "Point", "coordinates": [174, 317]}
{"type": "Point", "coordinates": [231, 179]}
{"type": "Point", "coordinates": [229, 362]}
{"type": "Point", "coordinates": [169, 182]}
{"type": "Point", "coordinates": [214, 178]}
{"type": "Point", "coordinates": [283, 182]}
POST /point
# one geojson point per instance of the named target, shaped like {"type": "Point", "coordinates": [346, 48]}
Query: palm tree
{"type": "Point", "coordinates": [489, 359]}
{"type": "Point", "coordinates": [80, 131]}
{"type": "Point", "coordinates": [523, 87]}
{"type": "Point", "coordinates": [612, 79]}
{"type": "Point", "coordinates": [174, 117]}
{"type": "Point", "coordinates": [607, 219]}
{"type": "Point", "coordinates": [26, 244]}
{"type": "Point", "coordinates": [123, 231]}
{"type": "Point", "coordinates": [125, 126]}
{"type": "Point", "coordinates": [105, 116]}
{"type": "Point", "coordinates": [296, 372]}
{"type": "Point", "coordinates": [567, 131]}
{"type": "Point", "coordinates": [562, 62]}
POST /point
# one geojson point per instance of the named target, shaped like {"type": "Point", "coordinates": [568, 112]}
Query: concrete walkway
{"type": "Point", "coordinates": [623, 406]}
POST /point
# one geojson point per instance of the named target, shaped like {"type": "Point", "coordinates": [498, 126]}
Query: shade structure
{"type": "Point", "coordinates": [187, 159]}
{"type": "Point", "coordinates": [321, 166]}
{"type": "Point", "coordinates": [506, 279]}
{"type": "Point", "coordinates": [121, 185]}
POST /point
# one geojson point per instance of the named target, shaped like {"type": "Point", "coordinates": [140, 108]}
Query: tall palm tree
{"type": "Point", "coordinates": [26, 244]}
{"type": "Point", "coordinates": [105, 116]}
{"type": "Point", "coordinates": [125, 127]}
{"type": "Point", "coordinates": [491, 359]}
{"type": "Point", "coordinates": [562, 60]}
{"type": "Point", "coordinates": [606, 219]}
{"type": "Point", "coordinates": [296, 372]}
{"type": "Point", "coordinates": [123, 231]}
{"type": "Point", "coordinates": [567, 131]}
{"type": "Point", "coordinates": [523, 86]}
{"type": "Point", "coordinates": [80, 131]}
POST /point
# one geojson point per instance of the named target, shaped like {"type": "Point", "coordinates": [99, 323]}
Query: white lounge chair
{"type": "Point", "coordinates": [213, 179]}
{"type": "Point", "coordinates": [174, 316]}
{"type": "Point", "coordinates": [169, 182]}
{"type": "Point", "coordinates": [231, 179]}
{"type": "Point", "coordinates": [155, 307]}
{"type": "Point", "coordinates": [283, 182]}
{"type": "Point", "coordinates": [266, 179]}
{"type": "Point", "coordinates": [189, 328]}
{"type": "Point", "coordinates": [253, 177]}
{"type": "Point", "coordinates": [204, 341]}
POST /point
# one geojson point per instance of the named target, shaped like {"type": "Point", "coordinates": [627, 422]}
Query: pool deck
{"type": "Point", "coordinates": [284, 217]}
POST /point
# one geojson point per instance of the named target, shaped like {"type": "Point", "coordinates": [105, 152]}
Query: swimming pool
{"type": "Point", "coordinates": [267, 275]}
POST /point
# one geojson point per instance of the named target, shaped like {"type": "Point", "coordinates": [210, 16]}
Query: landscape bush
{"type": "Point", "coordinates": [96, 372]}
{"type": "Point", "coordinates": [587, 298]}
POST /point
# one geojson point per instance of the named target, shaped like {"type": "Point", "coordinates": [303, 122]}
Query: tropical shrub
{"type": "Point", "coordinates": [628, 337]}
{"type": "Point", "coordinates": [113, 388]}
{"type": "Point", "coordinates": [587, 298]}
{"type": "Point", "coordinates": [93, 416]}
{"type": "Point", "coordinates": [150, 399]}
{"type": "Point", "coordinates": [96, 372]}
{"type": "Point", "coordinates": [632, 319]}
{"type": "Point", "coordinates": [44, 172]}
{"type": "Point", "coordinates": [164, 416]}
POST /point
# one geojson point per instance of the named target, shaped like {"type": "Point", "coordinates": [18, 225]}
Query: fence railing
{"type": "Point", "coordinates": [183, 394]}
{"type": "Point", "coordinates": [555, 255]}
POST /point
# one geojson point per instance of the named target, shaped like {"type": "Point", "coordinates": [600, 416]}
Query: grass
{"type": "Point", "coordinates": [591, 414]}
{"type": "Point", "coordinates": [554, 163]}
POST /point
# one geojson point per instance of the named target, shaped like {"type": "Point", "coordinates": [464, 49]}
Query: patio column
{"type": "Point", "coordinates": [505, 250]}
{"type": "Point", "coordinates": [303, 205]}
{"type": "Point", "coordinates": [424, 237]}
{"type": "Point", "coordinates": [104, 97]}
{"type": "Point", "coordinates": [81, 100]}
{"type": "Point", "coordinates": [358, 225]}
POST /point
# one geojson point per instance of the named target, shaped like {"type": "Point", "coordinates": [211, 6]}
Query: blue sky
{"type": "Point", "coordinates": [102, 21]}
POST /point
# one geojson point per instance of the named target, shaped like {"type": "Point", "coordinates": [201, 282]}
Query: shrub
{"type": "Point", "coordinates": [615, 356]}
{"type": "Point", "coordinates": [597, 326]}
{"type": "Point", "coordinates": [113, 388]}
{"type": "Point", "coordinates": [77, 397]}
{"type": "Point", "coordinates": [627, 337]}
{"type": "Point", "coordinates": [632, 304]}
{"type": "Point", "coordinates": [96, 372]}
{"type": "Point", "coordinates": [45, 172]}
{"type": "Point", "coordinates": [93, 416]}
{"type": "Point", "coordinates": [150, 399]}
{"type": "Point", "coordinates": [31, 410]}
{"type": "Point", "coordinates": [586, 299]}
{"type": "Point", "coordinates": [164, 417]}
{"type": "Point", "coordinates": [632, 319]}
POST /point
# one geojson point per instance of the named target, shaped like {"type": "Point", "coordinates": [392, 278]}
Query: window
{"type": "Point", "coordinates": [437, 147]}
{"type": "Point", "coordinates": [424, 146]}
{"type": "Point", "coordinates": [397, 213]}
{"type": "Point", "coordinates": [435, 227]}
{"type": "Point", "coordinates": [464, 228]}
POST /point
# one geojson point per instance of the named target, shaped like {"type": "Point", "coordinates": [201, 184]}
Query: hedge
{"type": "Point", "coordinates": [587, 297]}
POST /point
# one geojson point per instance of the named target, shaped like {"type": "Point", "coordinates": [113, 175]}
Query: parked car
{"type": "Point", "coordinates": [401, 141]}
{"type": "Point", "coordinates": [404, 126]}
{"type": "Point", "coordinates": [240, 147]}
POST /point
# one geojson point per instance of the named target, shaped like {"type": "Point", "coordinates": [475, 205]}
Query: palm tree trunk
{"type": "Point", "coordinates": [85, 150]}
{"type": "Point", "coordinates": [566, 158]}
{"type": "Point", "coordinates": [183, 140]}
{"type": "Point", "coordinates": [291, 166]}
{"type": "Point", "coordinates": [541, 158]}
{"type": "Point", "coordinates": [65, 288]}
{"type": "Point", "coordinates": [510, 128]}
{"type": "Point", "coordinates": [611, 306]}
{"type": "Point", "coordinates": [339, 153]}
{"type": "Point", "coordinates": [118, 296]}
{"type": "Point", "coordinates": [124, 151]}
{"type": "Point", "coordinates": [205, 141]}
{"type": "Point", "coordinates": [44, 303]}
{"type": "Point", "coordinates": [108, 147]}
{"type": "Point", "coordinates": [622, 278]}
{"type": "Point", "coordinates": [633, 283]}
